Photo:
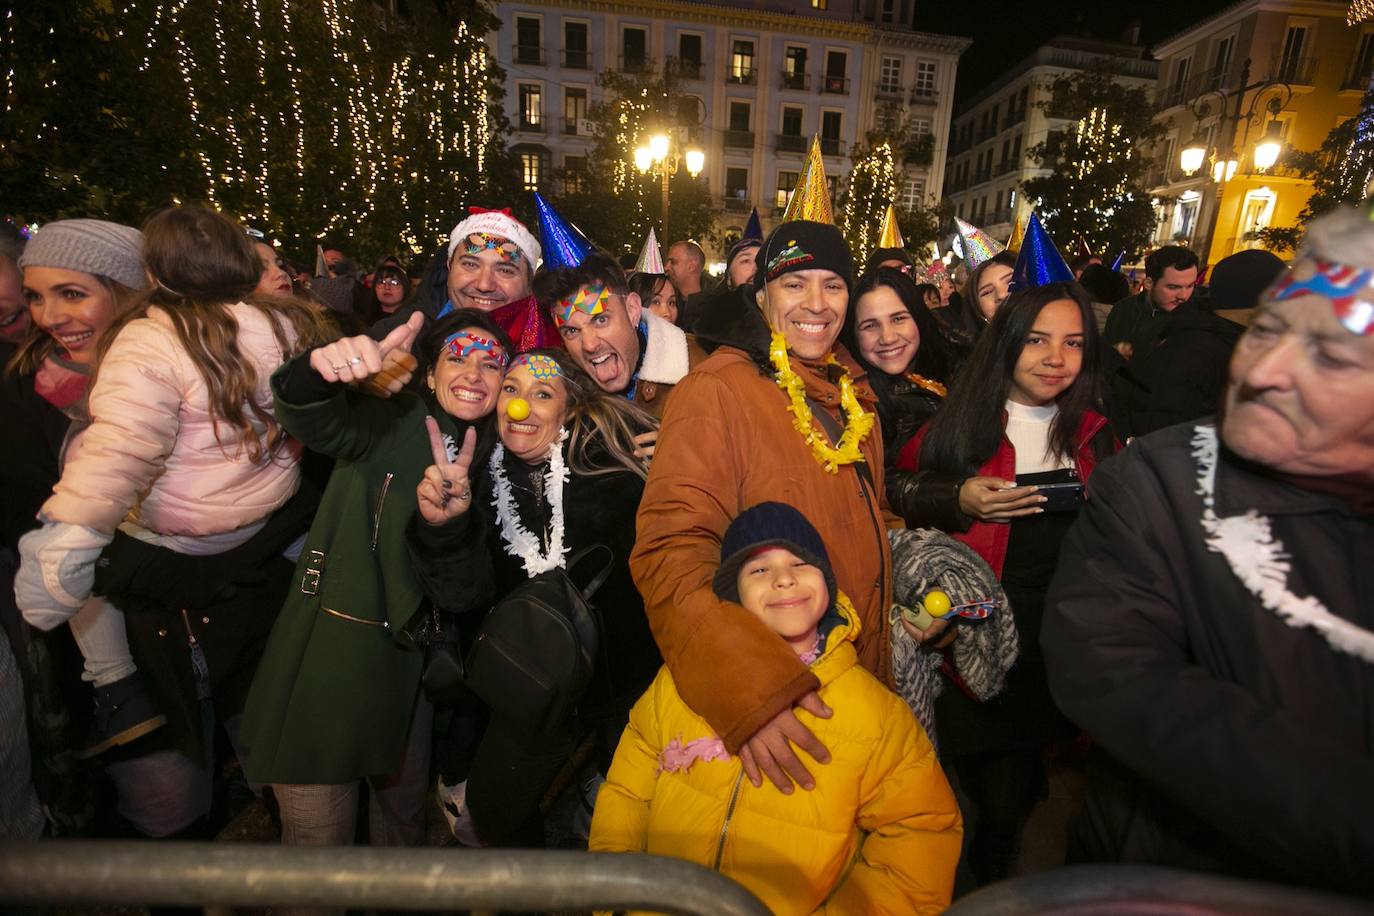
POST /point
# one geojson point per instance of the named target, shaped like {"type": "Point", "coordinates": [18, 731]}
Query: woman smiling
{"type": "Point", "coordinates": [563, 477]}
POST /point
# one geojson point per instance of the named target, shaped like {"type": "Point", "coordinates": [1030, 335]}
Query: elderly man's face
{"type": "Point", "coordinates": [487, 272]}
{"type": "Point", "coordinates": [1301, 393]}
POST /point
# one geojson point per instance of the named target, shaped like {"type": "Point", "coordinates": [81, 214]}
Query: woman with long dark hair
{"type": "Point", "coordinates": [1027, 410]}
{"type": "Point", "coordinates": [987, 287]}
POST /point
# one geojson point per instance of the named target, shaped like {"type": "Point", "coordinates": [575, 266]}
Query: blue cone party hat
{"type": "Point", "coordinates": [563, 245]}
{"type": "Point", "coordinates": [753, 229]}
{"type": "Point", "coordinates": [1039, 262]}
{"type": "Point", "coordinates": [1116, 265]}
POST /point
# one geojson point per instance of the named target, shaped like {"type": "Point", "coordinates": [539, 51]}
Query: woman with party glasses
{"type": "Point", "coordinates": [337, 698]}
{"type": "Point", "coordinates": [564, 477]}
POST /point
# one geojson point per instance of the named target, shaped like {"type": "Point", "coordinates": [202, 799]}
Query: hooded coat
{"type": "Point", "coordinates": [880, 833]}
{"type": "Point", "coordinates": [727, 443]}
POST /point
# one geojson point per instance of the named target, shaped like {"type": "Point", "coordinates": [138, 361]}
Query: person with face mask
{"type": "Point", "coordinates": [779, 411]}
{"type": "Point", "coordinates": [1211, 623]}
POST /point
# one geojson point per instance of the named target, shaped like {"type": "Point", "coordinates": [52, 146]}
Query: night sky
{"type": "Point", "coordinates": [1004, 32]}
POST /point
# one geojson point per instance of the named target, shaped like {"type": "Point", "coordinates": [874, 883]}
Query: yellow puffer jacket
{"type": "Point", "coordinates": [880, 833]}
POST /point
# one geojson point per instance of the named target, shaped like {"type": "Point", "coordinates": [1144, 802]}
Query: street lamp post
{"type": "Point", "coordinates": [663, 155]}
{"type": "Point", "coordinates": [1266, 152]}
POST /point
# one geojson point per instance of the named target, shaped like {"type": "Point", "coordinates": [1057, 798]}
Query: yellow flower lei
{"type": "Point", "coordinates": [858, 422]}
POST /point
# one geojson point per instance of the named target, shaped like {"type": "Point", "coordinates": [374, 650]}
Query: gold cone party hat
{"type": "Point", "coordinates": [890, 236]}
{"type": "Point", "coordinates": [1018, 234]}
{"type": "Point", "coordinates": [810, 199]}
{"type": "Point", "coordinates": [650, 259]}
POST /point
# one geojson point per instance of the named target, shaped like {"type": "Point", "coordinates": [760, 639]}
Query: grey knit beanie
{"type": "Point", "coordinates": [91, 246]}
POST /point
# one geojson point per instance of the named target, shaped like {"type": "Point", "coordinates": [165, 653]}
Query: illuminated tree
{"type": "Point", "coordinates": [305, 118]}
{"type": "Point", "coordinates": [873, 183]}
{"type": "Point", "coordinates": [1097, 188]}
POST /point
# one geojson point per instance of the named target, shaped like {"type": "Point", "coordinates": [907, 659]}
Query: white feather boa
{"type": "Point", "coordinates": [1259, 560]}
{"type": "Point", "coordinates": [520, 542]}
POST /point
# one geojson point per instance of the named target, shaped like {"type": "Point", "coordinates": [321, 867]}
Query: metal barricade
{"type": "Point", "coordinates": [1147, 890]}
{"type": "Point", "coordinates": [216, 876]}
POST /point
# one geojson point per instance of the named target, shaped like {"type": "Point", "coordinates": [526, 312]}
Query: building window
{"type": "Point", "coordinates": [831, 122]}
{"type": "Point", "coordinates": [574, 111]}
{"type": "Point", "coordinates": [920, 127]}
{"type": "Point", "coordinates": [634, 44]}
{"type": "Point", "coordinates": [794, 68]}
{"type": "Point", "coordinates": [913, 193]}
{"type": "Point", "coordinates": [925, 78]}
{"type": "Point", "coordinates": [529, 42]}
{"type": "Point", "coordinates": [786, 182]}
{"type": "Point", "coordinates": [736, 183]}
{"type": "Point", "coordinates": [1291, 69]}
{"type": "Point", "coordinates": [1221, 61]}
{"type": "Point", "coordinates": [836, 64]}
{"type": "Point", "coordinates": [1362, 65]}
{"type": "Point", "coordinates": [534, 168]}
{"type": "Point", "coordinates": [739, 115]}
{"type": "Point", "coordinates": [791, 122]}
{"type": "Point", "coordinates": [889, 11]}
{"type": "Point", "coordinates": [575, 53]}
{"type": "Point", "coordinates": [531, 107]}
{"type": "Point", "coordinates": [575, 174]}
{"type": "Point", "coordinates": [689, 55]}
{"type": "Point", "coordinates": [742, 61]}
{"type": "Point", "coordinates": [818, 4]}
{"type": "Point", "coordinates": [890, 75]}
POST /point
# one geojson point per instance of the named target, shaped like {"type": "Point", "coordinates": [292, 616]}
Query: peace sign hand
{"type": "Point", "coordinates": [445, 492]}
{"type": "Point", "coordinates": [353, 359]}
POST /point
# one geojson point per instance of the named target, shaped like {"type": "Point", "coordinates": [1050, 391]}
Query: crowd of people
{"type": "Point", "coordinates": [808, 574]}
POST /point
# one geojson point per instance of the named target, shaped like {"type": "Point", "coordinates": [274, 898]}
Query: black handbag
{"type": "Point", "coordinates": [536, 648]}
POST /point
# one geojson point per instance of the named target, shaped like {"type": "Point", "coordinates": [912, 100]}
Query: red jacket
{"type": "Point", "coordinates": [990, 538]}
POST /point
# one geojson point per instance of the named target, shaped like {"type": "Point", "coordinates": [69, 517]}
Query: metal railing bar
{"type": "Point", "coordinates": [254, 874]}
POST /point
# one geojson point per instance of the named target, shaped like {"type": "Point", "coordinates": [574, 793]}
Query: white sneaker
{"type": "Point", "coordinates": [453, 802]}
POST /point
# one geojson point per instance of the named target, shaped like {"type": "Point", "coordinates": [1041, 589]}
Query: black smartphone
{"type": "Point", "coordinates": [1061, 497]}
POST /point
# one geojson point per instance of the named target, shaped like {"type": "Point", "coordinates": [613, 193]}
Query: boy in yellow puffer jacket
{"type": "Point", "coordinates": [879, 833]}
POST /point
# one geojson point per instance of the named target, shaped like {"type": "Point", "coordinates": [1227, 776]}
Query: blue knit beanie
{"type": "Point", "coordinates": [769, 525]}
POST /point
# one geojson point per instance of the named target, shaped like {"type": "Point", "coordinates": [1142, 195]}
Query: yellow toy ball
{"type": "Point", "coordinates": [518, 409]}
{"type": "Point", "coordinates": [936, 603]}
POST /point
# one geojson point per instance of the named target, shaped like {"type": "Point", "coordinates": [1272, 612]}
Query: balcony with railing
{"type": "Point", "coordinates": [1295, 71]}
{"type": "Point", "coordinates": [1357, 75]}
{"type": "Point", "coordinates": [888, 92]}
{"type": "Point", "coordinates": [832, 146]}
{"type": "Point", "coordinates": [529, 55]}
{"type": "Point", "coordinates": [577, 60]}
{"type": "Point", "coordinates": [576, 127]}
{"type": "Point", "coordinates": [739, 139]}
{"type": "Point", "coordinates": [790, 143]}
{"type": "Point", "coordinates": [634, 63]}
{"type": "Point", "coordinates": [834, 85]}
{"type": "Point", "coordinates": [742, 76]}
{"type": "Point", "coordinates": [797, 81]}
{"type": "Point", "coordinates": [737, 203]}
{"type": "Point", "coordinates": [921, 96]}
{"type": "Point", "coordinates": [685, 69]}
{"type": "Point", "coordinates": [531, 125]}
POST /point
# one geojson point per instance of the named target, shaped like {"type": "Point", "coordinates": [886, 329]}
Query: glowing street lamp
{"type": "Point", "coordinates": [1268, 149]}
{"type": "Point", "coordinates": [1190, 160]}
{"type": "Point", "coordinates": [660, 154]}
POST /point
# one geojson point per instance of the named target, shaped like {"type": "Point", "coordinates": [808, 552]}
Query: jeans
{"type": "Point", "coordinates": [326, 815]}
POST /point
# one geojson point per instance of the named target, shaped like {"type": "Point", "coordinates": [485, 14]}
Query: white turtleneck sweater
{"type": "Point", "coordinates": [1028, 429]}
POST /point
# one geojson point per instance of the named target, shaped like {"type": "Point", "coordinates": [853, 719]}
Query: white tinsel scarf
{"type": "Point", "coordinates": [1261, 563]}
{"type": "Point", "coordinates": [520, 542]}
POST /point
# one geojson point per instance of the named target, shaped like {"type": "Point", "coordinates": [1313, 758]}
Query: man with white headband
{"type": "Point", "coordinates": [1211, 624]}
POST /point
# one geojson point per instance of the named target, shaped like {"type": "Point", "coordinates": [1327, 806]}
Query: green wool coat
{"type": "Point", "coordinates": [333, 695]}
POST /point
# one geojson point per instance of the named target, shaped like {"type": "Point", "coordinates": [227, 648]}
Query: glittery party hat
{"type": "Point", "coordinates": [1018, 235]}
{"type": "Point", "coordinates": [890, 236]}
{"type": "Point", "coordinates": [810, 199]}
{"type": "Point", "coordinates": [1039, 262]}
{"type": "Point", "coordinates": [978, 245]}
{"type": "Point", "coordinates": [1116, 265]}
{"type": "Point", "coordinates": [753, 229]}
{"type": "Point", "coordinates": [650, 259]}
{"type": "Point", "coordinates": [563, 245]}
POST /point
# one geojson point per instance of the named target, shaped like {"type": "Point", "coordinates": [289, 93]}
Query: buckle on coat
{"type": "Point", "coordinates": [314, 568]}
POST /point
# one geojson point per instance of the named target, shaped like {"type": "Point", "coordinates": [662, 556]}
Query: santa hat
{"type": "Point", "coordinates": [496, 222]}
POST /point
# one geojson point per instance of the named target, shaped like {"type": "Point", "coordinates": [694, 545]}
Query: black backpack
{"type": "Point", "coordinates": [536, 648]}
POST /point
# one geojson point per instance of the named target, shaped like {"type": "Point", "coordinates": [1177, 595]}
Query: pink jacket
{"type": "Point", "coordinates": [150, 451]}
